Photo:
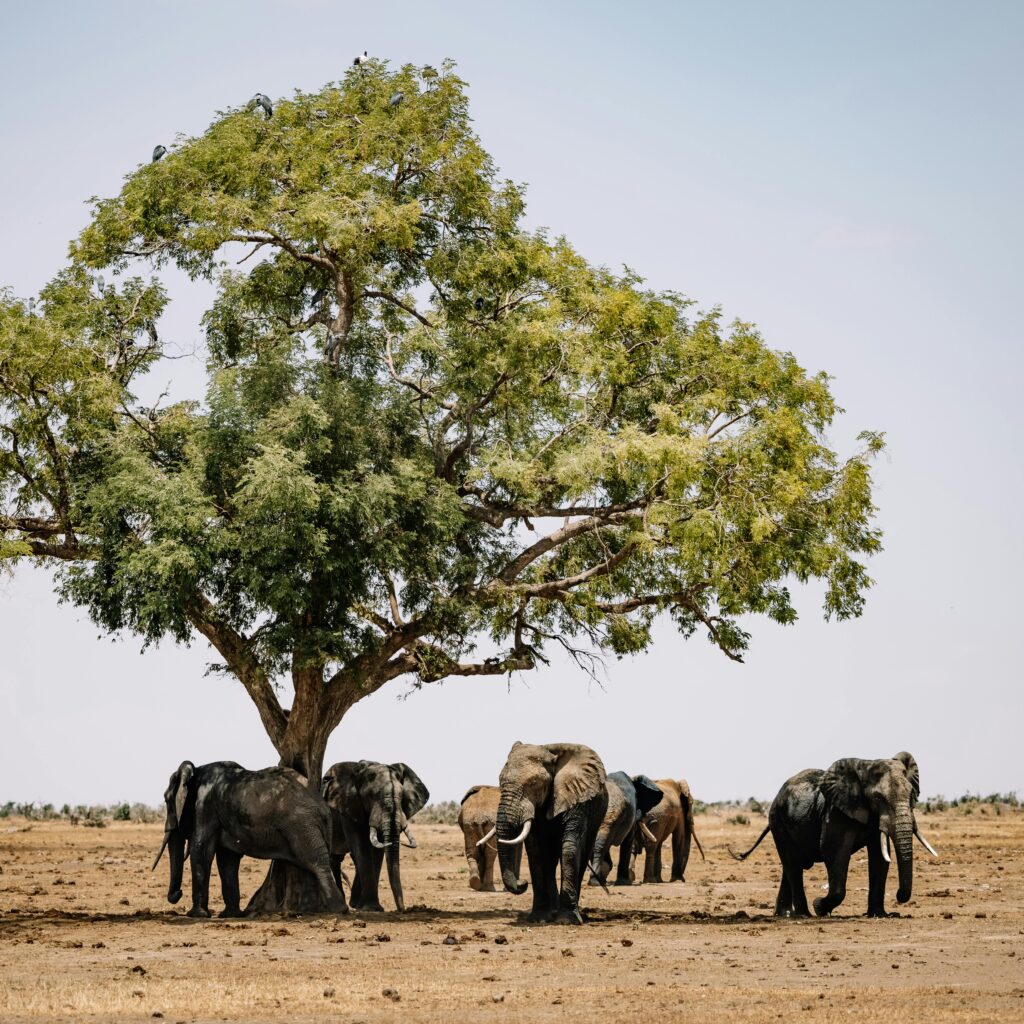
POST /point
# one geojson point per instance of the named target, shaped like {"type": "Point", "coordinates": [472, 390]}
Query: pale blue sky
{"type": "Point", "coordinates": [847, 176]}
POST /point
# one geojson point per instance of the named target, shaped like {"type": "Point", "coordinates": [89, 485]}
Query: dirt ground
{"type": "Point", "coordinates": [86, 934]}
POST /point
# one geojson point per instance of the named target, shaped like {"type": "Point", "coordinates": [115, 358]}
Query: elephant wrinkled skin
{"type": "Point", "coordinates": [226, 812]}
{"type": "Point", "coordinates": [629, 799]}
{"type": "Point", "coordinates": [553, 798]}
{"type": "Point", "coordinates": [827, 816]}
{"type": "Point", "coordinates": [371, 804]}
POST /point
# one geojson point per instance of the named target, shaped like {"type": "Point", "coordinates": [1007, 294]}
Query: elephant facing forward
{"type": "Point", "coordinates": [371, 805]}
{"type": "Point", "coordinates": [552, 800]}
{"type": "Point", "coordinates": [830, 815]}
{"type": "Point", "coordinates": [671, 817]}
{"type": "Point", "coordinates": [478, 815]}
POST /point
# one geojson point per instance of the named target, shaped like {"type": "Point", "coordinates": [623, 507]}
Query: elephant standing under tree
{"type": "Point", "coordinates": [830, 815]}
{"type": "Point", "coordinates": [672, 816]}
{"type": "Point", "coordinates": [371, 805]}
{"type": "Point", "coordinates": [226, 812]}
{"type": "Point", "coordinates": [553, 798]}
{"type": "Point", "coordinates": [478, 814]}
{"type": "Point", "coordinates": [629, 799]}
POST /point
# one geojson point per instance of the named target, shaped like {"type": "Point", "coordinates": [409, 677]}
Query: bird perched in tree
{"type": "Point", "coordinates": [158, 152]}
{"type": "Point", "coordinates": [320, 115]}
{"type": "Point", "coordinates": [479, 304]}
{"type": "Point", "coordinates": [363, 58]}
{"type": "Point", "coordinates": [396, 98]}
{"type": "Point", "coordinates": [263, 102]}
{"type": "Point", "coordinates": [151, 331]}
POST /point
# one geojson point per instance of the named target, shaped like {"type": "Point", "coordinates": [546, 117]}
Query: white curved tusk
{"type": "Point", "coordinates": [884, 842]}
{"type": "Point", "coordinates": [924, 842]}
{"type": "Point", "coordinates": [647, 832]}
{"type": "Point", "coordinates": [374, 840]}
{"type": "Point", "coordinates": [412, 840]}
{"type": "Point", "coordinates": [521, 838]}
{"type": "Point", "coordinates": [481, 842]}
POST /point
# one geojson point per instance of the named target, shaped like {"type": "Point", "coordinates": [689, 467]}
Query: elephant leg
{"type": "Point", "coordinates": [488, 854]}
{"type": "Point", "coordinates": [200, 860]}
{"type": "Point", "coordinates": [571, 856]}
{"type": "Point", "coordinates": [227, 868]}
{"type": "Point", "coordinates": [361, 886]}
{"type": "Point", "coordinates": [837, 862]}
{"type": "Point", "coordinates": [680, 852]}
{"type": "Point", "coordinates": [371, 882]}
{"type": "Point", "coordinates": [336, 868]}
{"type": "Point", "coordinates": [878, 872]}
{"type": "Point", "coordinates": [474, 856]}
{"type": "Point", "coordinates": [624, 874]}
{"type": "Point", "coordinates": [792, 901]}
{"type": "Point", "coordinates": [536, 857]}
{"type": "Point", "coordinates": [784, 900]}
{"type": "Point", "coordinates": [656, 877]}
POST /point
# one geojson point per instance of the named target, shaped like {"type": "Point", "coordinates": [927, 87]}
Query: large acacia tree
{"type": "Point", "coordinates": [424, 427]}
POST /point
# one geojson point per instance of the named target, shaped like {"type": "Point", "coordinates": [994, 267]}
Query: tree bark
{"type": "Point", "coordinates": [315, 713]}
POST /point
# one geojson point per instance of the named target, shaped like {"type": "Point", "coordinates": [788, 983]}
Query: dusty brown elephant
{"type": "Point", "coordinates": [673, 816]}
{"type": "Point", "coordinates": [477, 819]}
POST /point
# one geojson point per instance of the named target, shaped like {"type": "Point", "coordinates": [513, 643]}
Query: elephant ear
{"type": "Point", "coordinates": [913, 773]}
{"type": "Point", "coordinates": [414, 793]}
{"type": "Point", "coordinates": [470, 792]}
{"type": "Point", "coordinates": [578, 776]}
{"type": "Point", "coordinates": [342, 781]}
{"type": "Point", "coordinates": [841, 787]}
{"type": "Point", "coordinates": [184, 776]}
{"type": "Point", "coordinates": [648, 794]}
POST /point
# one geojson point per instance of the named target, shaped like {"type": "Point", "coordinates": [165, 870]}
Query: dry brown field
{"type": "Point", "coordinates": [86, 935]}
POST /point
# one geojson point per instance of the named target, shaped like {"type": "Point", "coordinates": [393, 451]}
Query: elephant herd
{"type": "Point", "coordinates": [553, 801]}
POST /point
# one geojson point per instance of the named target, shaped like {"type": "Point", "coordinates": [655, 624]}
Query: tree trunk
{"type": "Point", "coordinates": [287, 888]}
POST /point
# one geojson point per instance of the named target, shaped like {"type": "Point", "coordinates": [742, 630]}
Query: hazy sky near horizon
{"type": "Point", "coordinates": [846, 176]}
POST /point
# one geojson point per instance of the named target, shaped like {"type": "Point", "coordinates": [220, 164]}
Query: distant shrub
{"type": "Point", "coordinates": [445, 813]}
{"type": "Point", "coordinates": [144, 814]}
{"type": "Point", "coordinates": [122, 812]}
{"type": "Point", "coordinates": [755, 806]}
{"type": "Point", "coordinates": [738, 819]}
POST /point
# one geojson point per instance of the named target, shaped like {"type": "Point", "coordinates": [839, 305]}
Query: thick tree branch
{"type": "Point", "coordinates": [396, 301]}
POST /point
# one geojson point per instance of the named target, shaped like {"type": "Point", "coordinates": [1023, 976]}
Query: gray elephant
{"type": "Point", "coordinates": [221, 810]}
{"type": "Point", "coordinates": [478, 814]}
{"type": "Point", "coordinates": [553, 798]}
{"type": "Point", "coordinates": [371, 804]}
{"type": "Point", "coordinates": [827, 816]}
{"type": "Point", "coordinates": [629, 799]}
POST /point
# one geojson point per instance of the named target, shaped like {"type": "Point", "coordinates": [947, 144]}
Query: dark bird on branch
{"type": "Point", "coordinates": [396, 98]}
{"type": "Point", "coordinates": [158, 152]}
{"type": "Point", "coordinates": [151, 331]}
{"type": "Point", "coordinates": [479, 304]}
{"type": "Point", "coordinates": [263, 102]}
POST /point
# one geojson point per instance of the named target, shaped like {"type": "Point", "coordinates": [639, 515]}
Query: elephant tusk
{"type": "Point", "coordinates": [163, 846]}
{"type": "Point", "coordinates": [482, 842]}
{"type": "Point", "coordinates": [374, 841]}
{"type": "Point", "coordinates": [521, 838]}
{"type": "Point", "coordinates": [647, 832]}
{"type": "Point", "coordinates": [884, 842]}
{"type": "Point", "coordinates": [924, 842]}
{"type": "Point", "coordinates": [412, 840]}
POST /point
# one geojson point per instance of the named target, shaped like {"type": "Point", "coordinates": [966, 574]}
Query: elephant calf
{"type": "Point", "coordinates": [672, 816]}
{"type": "Point", "coordinates": [827, 816]}
{"type": "Point", "coordinates": [223, 811]}
{"type": "Point", "coordinates": [478, 815]}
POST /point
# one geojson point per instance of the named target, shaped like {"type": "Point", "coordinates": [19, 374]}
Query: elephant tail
{"type": "Point", "coordinates": [744, 856]}
{"type": "Point", "coordinates": [688, 811]}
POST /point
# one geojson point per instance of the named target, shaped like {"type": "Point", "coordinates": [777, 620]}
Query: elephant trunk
{"type": "Point", "coordinates": [903, 838]}
{"type": "Point", "coordinates": [514, 811]}
{"type": "Point", "coordinates": [395, 876]}
{"type": "Point", "coordinates": [176, 850]}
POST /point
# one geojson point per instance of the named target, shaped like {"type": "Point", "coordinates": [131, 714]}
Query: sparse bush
{"type": "Point", "coordinates": [444, 813]}
{"type": "Point", "coordinates": [144, 814]}
{"type": "Point", "coordinates": [755, 806]}
{"type": "Point", "coordinates": [738, 819]}
{"type": "Point", "coordinates": [122, 812]}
